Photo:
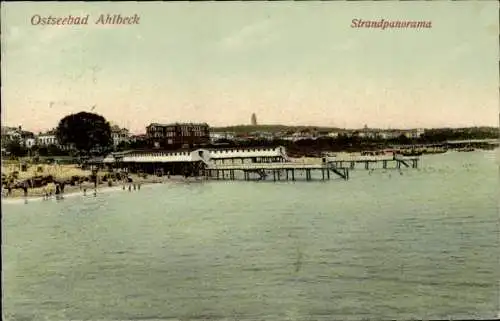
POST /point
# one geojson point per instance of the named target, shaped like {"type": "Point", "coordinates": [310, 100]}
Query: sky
{"type": "Point", "coordinates": [292, 63]}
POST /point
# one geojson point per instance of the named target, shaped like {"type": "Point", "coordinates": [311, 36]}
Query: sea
{"type": "Point", "coordinates": [384, 245]}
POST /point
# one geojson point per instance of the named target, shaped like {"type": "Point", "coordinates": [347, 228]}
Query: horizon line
{"type": "Point", "coordinates": [337, 127]}
{"type": "Point", "coordinates": [285, 125]}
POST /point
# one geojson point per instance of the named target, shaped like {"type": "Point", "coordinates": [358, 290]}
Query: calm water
{"type": "Point", "coordinates": [382, 246]}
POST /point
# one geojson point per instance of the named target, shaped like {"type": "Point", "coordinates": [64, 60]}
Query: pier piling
{"type": "Point", "coordinates": [286, 170]}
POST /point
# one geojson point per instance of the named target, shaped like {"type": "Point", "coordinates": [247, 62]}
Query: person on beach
{"type": "Point", "coordinates": [9, 190]}
{"type": "Point", "coordinates": [58, 191]}
{"type": "Point", "coordinates": [95, 192]}
{"type": "Point", "coordinates": [135, 187]}
{"type": "Point", "coordinates": [129, 188]}
{"type": "Point", "coordinates": [84, 192]}
{"type": "Point", "coordinates": [139, 186]}
{"type": "Point", "coordinates": [50, 189]}
{"type": "Point", "coordinates": [25, 190]}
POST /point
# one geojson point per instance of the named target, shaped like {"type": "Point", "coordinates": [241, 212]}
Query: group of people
{"type": "Point", "coordinates": [7, 189]}
{"type": "Point", "coordinates": [135, 186]}
{"type": "Point", "coordinates": [57, 189]}
{"type": "Point", "coordinates": [110, 184]}
{"type": "Point", "coordinates": [51, 189]}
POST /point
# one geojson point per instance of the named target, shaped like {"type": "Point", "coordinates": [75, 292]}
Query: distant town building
{"type": "Point", "coordinates": [119, 135]}
{"type": "Point", "coordinates": [29, 142]}
{"type": "Point", "coordinates": [261, 135]}
{"type": "Point", "coordinates": [10, 134]}
{"type": "Point", "coordinates": [46, 139]}
{"type": "Point", "coordinates": [333, 134]}
{"type": "Point", "coordinates": [178, 134]}
{"type": "Point", "coordinates": [253, 120]}
{"type": "Point", "coordinates": [414, 133]}
{"type": "Point", "coordinates": [6, 129]}
{"type": "Point", "coordinates": [138, 138]}
{"type": "Point", "coordinates": [393, 134]}
{"type": "Point", "coordinates": [302, 134]}
{"type": "Point", "coordinates": [215, 136]}
{"type": "Point", "coordinates": [17, 134]}
{"type": "Point", "coordinates": [386, 135]}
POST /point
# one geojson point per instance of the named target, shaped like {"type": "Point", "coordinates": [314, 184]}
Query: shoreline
{"type": "Point", "coordinates": [73, 191]}
{"type": "Point", "coordinates": [35, 194]}
{"type": "Point", "coordinates": [103, 190]}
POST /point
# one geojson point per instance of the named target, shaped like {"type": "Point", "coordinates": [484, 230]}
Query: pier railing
{"type": "Point", "coordinates": [287, 170]}
{"type": "Point", "coordinates": [278, 171]}
{"type": "Point", "coordinates": [250, 166]}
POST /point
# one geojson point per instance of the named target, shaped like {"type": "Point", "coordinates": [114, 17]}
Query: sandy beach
{"type": "Point", "coordinates": [87, 189]}
{"type": "Point", "coordinates": [13, 174]}
{"type": "Point", "coordinates": [63, 173]}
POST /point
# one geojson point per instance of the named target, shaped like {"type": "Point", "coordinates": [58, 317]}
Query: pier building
{"type": "Point", "coordinates": [178, 162]}
{"type": "Point", "coordinates": [247, 163]}
{"type": "Point", "coordinates": [248, 155]}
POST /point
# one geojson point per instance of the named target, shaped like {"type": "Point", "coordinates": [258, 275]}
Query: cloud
{"type": "Point", "coordinates": [13, 34]}
{"type": "Point", "coordinates": [459, 51]}
{"type": "Point", "coordinates": [256, 34]}
{"type": "Point", "coordinates": [53, 35]}
{"type": "Point", "coordinates": [345, 46]}
{"type": "Point", "coordinates": [13, 37]}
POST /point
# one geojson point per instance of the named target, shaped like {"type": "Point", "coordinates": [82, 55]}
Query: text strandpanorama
{"type": "Point", "coordinates": [390, 24]}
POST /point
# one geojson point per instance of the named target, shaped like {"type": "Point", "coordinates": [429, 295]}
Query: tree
{"type": "Point", "coordinates": [43, 151]}
{"type": "Point", "coordinates": [54, 150]}
{"type": "Point", "coordinates": [122, 146]}
{"type": "Point", "coordinates": [15, 148]}
{"type": "Point", "coordinates": [87, 132]}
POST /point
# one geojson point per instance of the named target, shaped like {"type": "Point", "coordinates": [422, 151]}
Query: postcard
{"type": "Point", "coordinates": [260, 160]}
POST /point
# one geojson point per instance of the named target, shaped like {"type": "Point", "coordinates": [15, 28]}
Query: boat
{"type": "Point", "coordinates": [411, 153]}
{"type": "Point", "coordinates": [436, 151]}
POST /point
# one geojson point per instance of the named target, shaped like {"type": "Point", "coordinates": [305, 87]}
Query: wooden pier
{"type": "Point", "coordinates": [275, 172]}
{"type": "Point", "coordinates": [370, 162]}
{"type": "Point", "coordinates": [291, 171]}
{"type": "Point", "coordinates": [252, 164]}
